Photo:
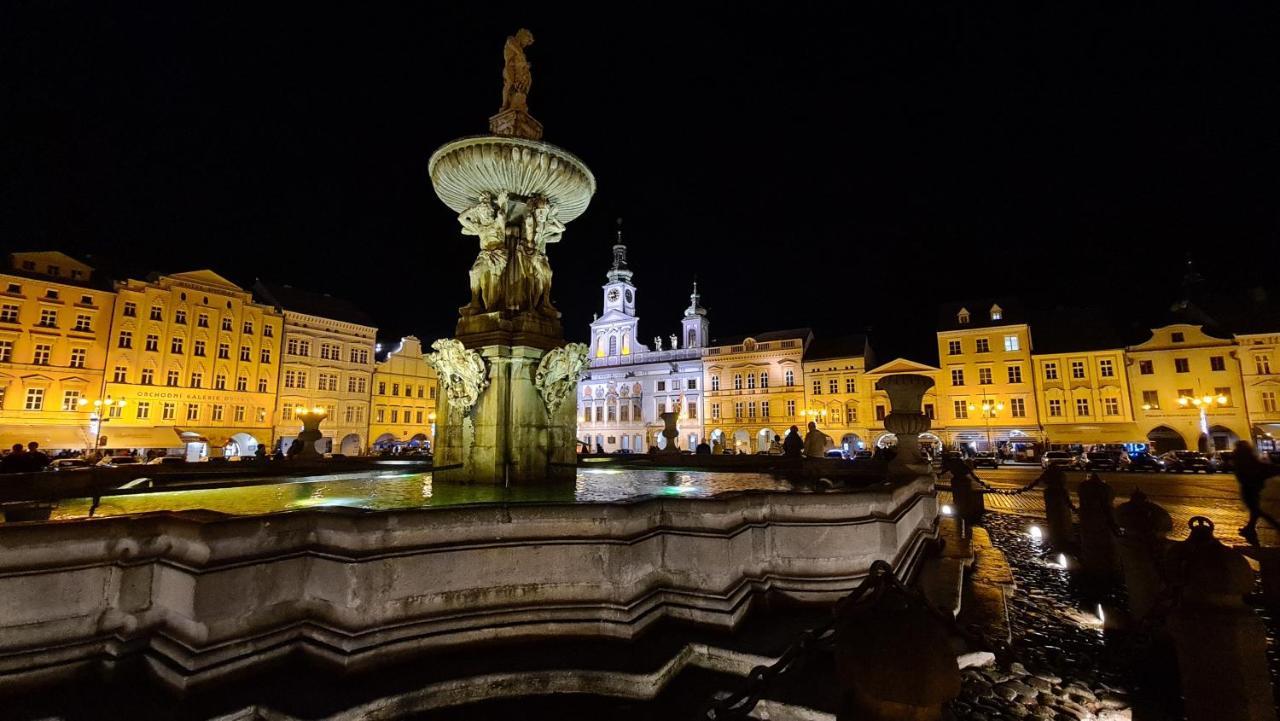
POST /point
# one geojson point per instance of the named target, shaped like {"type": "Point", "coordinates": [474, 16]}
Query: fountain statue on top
{"type": "Point", "coordinates": [505, 376]}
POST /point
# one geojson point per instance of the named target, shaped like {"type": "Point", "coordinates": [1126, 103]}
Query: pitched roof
{"type": "Point", "coordinates": [1011, 313]}
{"type": "Point", "coordinates": [837, 347]}
{"type": "Point", "coordinates": [789, 334]}
{"type": "Point", "coordinates": [322, 305]}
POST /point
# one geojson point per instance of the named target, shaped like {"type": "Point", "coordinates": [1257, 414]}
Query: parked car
{"type": "Point", "coordinates": [1187, 462]}
{"type": "Point", "coordinates": [167, 461]}
{"type": "Point", "coordinates": [985, 459]}
{"type": "Point", "coordinates": [1223, 461]}
{"type": "Point", "coordinates": [862, 456]}
{"type": "Point", "coordinates": [834, 453]}
{"type": "Point", "coordinates": [114, 461]}
{"type": "Point", "coordinates": [1143, 462]}
{"type": "Point", "coordinates": [1066, 459]}
{"type": "Point", "coordinates": [70, 464]}
{"type": "Point", "coordinates": [622, 452]}
{"type": "Point", "coordinates": [1098, 461]}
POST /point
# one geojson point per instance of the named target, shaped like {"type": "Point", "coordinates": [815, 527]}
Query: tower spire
{"type": "Point", "coordinates": [695, 305]}
{"type": "Point", "coordinates": [619, 271]}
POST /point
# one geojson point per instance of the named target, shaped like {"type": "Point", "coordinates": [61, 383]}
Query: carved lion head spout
{"type": "Point", "coordinates": [462, 372]}
{"type": "Point", "coordinates": [558, 374]}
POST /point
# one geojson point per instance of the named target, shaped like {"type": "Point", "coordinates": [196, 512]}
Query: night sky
{"type": "Point", "coordinates": [842, 171]}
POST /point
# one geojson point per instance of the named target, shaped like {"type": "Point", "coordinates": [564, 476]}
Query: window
{"type": "Point", "coordinates": [880, 412]}
{"type": "Point", "coordinates": [217, 411]}
{"type": "Point", "coordinates": [692, 383]}
{"type": "Point", "coordinates": [304, 347]}
{"type": "Point", "coordinates": [242, 383]}
{"type": "Point", "coordinates": [220, 382]}
{"type": "Point", "coordinates": [957, 376]}
{"type": "Point", "coordinates": [962, 317]}
{"type": "Point", "coordinates": [790, 377]}
{"type": "Point", "coordinates": [1217, 363]}
{"type": "Point", "coordinates": [817, 387]}
{"type": "Point", "coordinates": [262, 385]}
{"type": "Point", "coordinates": [381, 414]}
{"type": "Point", "coordinates": [751, 409]}
{"type": "Point", "coordinates": [14, 288]}
{"type": "Point", "coordinates": [48, 318]}
{"type": "Point", "coordinates": [193, 411]}
{"type": "Point", "coordinates": [120, 375]}
{"type": "Point", "coordinates": [715, 383]}
{"type": "Point", "coordinates": [1082, 406]}
{"type": "Point", "coordinates": [1051, 371]}
{"type": "Point", "coordinates": [1015, 374]}
{"type": "Point", "coordinates": [224, 351]}
{"type": "Point", "coordinates": [245, 352]}
{"type": "Point", "coordinates": [125, 340]}
{"type": "Point", "coordinates": [295, 379]}
{"type": "Point", "coordinates": [613, 348]}
{"type": "Point", "coordinates": [1145, 368]}
{"type": "Point", "coordinates": [1110, 406]}
{"type": "Point", "coordinates": [395, 389]}
{"type": "Point", "coordinates": [130, 310]}
{"type": "Point", "coordinates": [197, 379]}
{"type": "Point", "coordinates": [1177, 337]}
{"type": "Point", "coordinates": [1150, 400]}
{"type": "Point", "coordinates": [984, 376]}
{"type": "Point", "coordinates": [239, 414]}
{"type": "Point", "coordinates": [247, 329]}
{"type": "Point", "coordinates": [198, 349]}
{"type": "Point", "coordinates": [1106, 368]}
{"type": "Point", "coordinates": [982, 345]}
{"type": "Point", "coordinates": [737, 381]}
{"type": "Point", "coordinates": [833, 386]}
{"type": "Point", "coordinates": [35, 399]}
{"type": "Point", "coordinates": [715, 411]}
{"type": "Point", "coordinates": [175, 345]}
{"type": "Point", "coordinates": [417, 417]}
{"type": "Point", "coordinates": [662, 385]}
{"type": "Point", "coordinates": [171, 378]}
{"type": "Point", "coordinates": [269, 332]}
{"type": "Point", "coordinates": [226, 323]}
{"type": "Point", "coordinates": [168, 411]}
{"type": "Point", "coordinates": [850, 415]}
{"type": "Point", "coordinates": [737, 410]}
{"type": "Point", "coordinates": [395, 415]}
{"type": "Point", "coordinates": [1262, 363]}
{"type": "Point", "coordinates": [265, 355]}
{"type": "Point", "coordinates": [351, 414]}
{"type": "Point", "coordinates": [1186, 393]}
{"type": "Point", "coordinates": [153, 343]}
{"type": "Point", "coordinates": [928, 412]}
{"type": "Point", "coordinates": [83, 323]}
{"type": "Point", "coordinates": [6, 351]}
{"type": "Point", "coordinates": [850, 385]}
{"type": "Point", "coordinates": [78, 357]}
{"type": "Point", "coordinates": [8, 313]}
{"type": "Point", "coordinates": [382, 388]}
{"type": "Point", "coordinates": [953, 347]}
{"type": "Point", "coordinates": [625, 412]}
{"type": "Point", "coordinates": [115, 411]}
{"type": "Point", "coordinates": [143, 410]}
{"type": "Point", "coordinates": [1182, 365]}
{"type": "Point", "coordinates": [764, 380]}
{"type": "Point", "coordinates": [291, 347]}
{"type": "Point", "coordinates": [1017, 408]}
{"type": "Point", "coordinates": [70, 400]}
{"type": "Point", "coordinates": [960, 409]}
{"type": "Point", "coordinates": [41, 354]}
{"type": "Point", "coordinates": [1269, 401]}
{"type": "Point", "coordinates": [157, 312]}
{"type": "Point", "coordinates": [180, 317]}
{"type": "Point", "coordinates": [1011, 343]}
{"type": "Point", "coordinates": [791, 408]}
{"type": "Point", "coordinates": [1223, 392]}
{"type": "Point", "coordinates": [1055, 407]}
{"type": "Point", "coordinates": [148, 377]}
{"type": "Point", "coordinates": [1077, 369]}
{"type": "Point", "coordinates": [996, 312]}
{"type": "Point", "coordinates": [202, 320]}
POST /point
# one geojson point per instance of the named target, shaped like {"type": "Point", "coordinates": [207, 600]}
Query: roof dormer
{"type": "Point", "coordinates": [996, 312]}
{"type": "Point", "coordinates": [963, 316]}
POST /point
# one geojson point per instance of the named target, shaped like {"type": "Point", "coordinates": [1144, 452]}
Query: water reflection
{"type": "Point", "coordinates": [388, 489]}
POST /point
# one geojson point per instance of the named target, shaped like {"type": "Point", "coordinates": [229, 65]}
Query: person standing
{"type": "Point", "coordinates": [775, 446]}
{"type": "Point", "coordinates": [36, 459]}
{"type": "Point", "coordinates": [1252, 475]}
{"type": "Point", "coordinates": [15, 461]}
{"type": "Point", "coordinates": [815, 442]}
{"type": "Point", "coordinates": [792, 446]}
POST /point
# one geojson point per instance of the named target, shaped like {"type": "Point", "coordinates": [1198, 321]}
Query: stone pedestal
{"type": "Point", "coordinates": [1145, 527]}
{"type": "Point", "coordinates": [669, 432]}
{"type": "Point", "coordinates": [907, 421]}
{"type": "Point", "coordinates": [309, 434]}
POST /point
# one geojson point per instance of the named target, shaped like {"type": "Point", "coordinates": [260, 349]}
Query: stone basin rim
{"type": "Point", "coordinates": [458, 205]}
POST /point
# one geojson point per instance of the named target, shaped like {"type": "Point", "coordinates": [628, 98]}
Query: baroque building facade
{"type": "Point", "coordinates": [755, 388]}
{"type": "Point", "coordinates": [403, 398]}
{"type": "Point", "coordinates": [629, 385]}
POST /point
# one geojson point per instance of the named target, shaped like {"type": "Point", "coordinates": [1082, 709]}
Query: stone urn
{"type": "Point", "coordinates": [907, 420]}
{"type": "Point", "coordinates": [310, 433]}
{"type": "Point", "coordinates": [669, 431]}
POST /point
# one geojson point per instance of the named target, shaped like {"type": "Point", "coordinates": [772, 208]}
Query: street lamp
{"type": "Point", "coordinates": [1204, 403]}
{"type": "Point", "coordinates": [96, 418]}
{"type": "Point", "coordinates": [989, 409]}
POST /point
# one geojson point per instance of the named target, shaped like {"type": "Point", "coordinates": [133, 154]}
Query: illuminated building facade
{"type": "Point", "coordinates": [55, 320]}
{"type": "Point", "coordinates": [1259, 359]}
{"type": "Point", "coordinates": [196, 359]}
{"type": "Point", "coordinates": [629, 384]}
{"type": "Point", "coordinates": [878, 403]}
{"type": "Point", "coordinates": [403, 398]}
{"type": "Point", "coordinates": [835, 392]}
{"type": "Point", "coordinates": [327, 363]}
{"type": "Point", "coordinates": [755, 388]}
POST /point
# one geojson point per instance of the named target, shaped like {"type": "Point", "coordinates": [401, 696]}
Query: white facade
{"type": "Point", "coordinates": [629, 385]}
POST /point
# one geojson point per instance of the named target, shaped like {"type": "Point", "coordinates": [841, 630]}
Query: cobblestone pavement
{"type": "Point", "coordinates": [1183, 496]}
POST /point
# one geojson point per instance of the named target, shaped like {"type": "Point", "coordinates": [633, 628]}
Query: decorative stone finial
{"type": "Point", "coordinates": [513, 118]}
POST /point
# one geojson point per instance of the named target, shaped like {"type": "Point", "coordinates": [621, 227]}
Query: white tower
{"type": "Point", "coordinates": [614, 332]}
{"type": "Point", "coordinates": [695, 325]}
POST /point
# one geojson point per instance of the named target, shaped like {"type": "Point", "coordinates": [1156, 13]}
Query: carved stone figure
{"type": "Point", "coordinates": [488, 221]}
{"type": "Point", "coordinates": [675, 342]}
{"type": "Point", "coordinates": [558, 374]}
{"type": "Point", "coordinates": [531, 274]}
{"type": "Point", "coordinates": [516, 77]}
{"type": "Point", "coordinates": [461, 372]}
{"type": "Point", "coordinates": [657, 342]}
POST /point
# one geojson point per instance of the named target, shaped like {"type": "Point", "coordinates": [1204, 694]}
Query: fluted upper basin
{"type": "Point", "coordinates": [465, 168]}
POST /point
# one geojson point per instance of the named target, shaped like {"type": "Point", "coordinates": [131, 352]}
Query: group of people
{"type": "Point", "coordinates": [24, 459]}
{"type": "Point", "coordinates": [814, 444]}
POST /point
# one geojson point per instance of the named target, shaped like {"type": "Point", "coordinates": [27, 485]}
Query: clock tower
{"type": "Point", "coordinates": [614, 332]}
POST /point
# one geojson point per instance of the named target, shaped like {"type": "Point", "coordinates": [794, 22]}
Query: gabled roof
{"type": "Point", "coordinates": [322, 305]}
{"type": "Point", "coordinates": [903, 365]}
{"type": "Point", "coordinates": [979, 309]}
{"type": "Point", "coordinates": [206, 277]}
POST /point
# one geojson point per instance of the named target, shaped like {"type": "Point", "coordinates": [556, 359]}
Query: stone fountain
{"type": "Point", "coordinates": [507, 374]}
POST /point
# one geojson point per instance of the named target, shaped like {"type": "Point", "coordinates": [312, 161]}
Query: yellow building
{"type": "Point", "coordinates": [1083, 398]}
{"type": "Point", "coordinates": [55, 320]}
{"type": "Point", "coordinates": [878, 403]}
{"type": "Point", "coordinates": [327, 363]}
{"type": "Point", "coordinates": [1187, 389]}
{"type": "Point", "coordinates": [197, 361]}
{"type": "Point", "coordinates": [835, 390]}
{"type": "Point", "coordinates": [404, 398]}
{"type": "Point", "coordinates": [753, 388]}
{"type": "Point", "coordinates": [984, 351]}
{"type": "Point", "coordinates": [1259, 359]}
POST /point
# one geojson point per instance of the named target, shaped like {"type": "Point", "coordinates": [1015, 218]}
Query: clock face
{"type": "Point", "coordinates": [628, 296]}
{"type": "Point", "coordinates": [613, 295]}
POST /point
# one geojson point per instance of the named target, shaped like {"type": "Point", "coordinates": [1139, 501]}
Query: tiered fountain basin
{"type": "Point", "coordinates": [199, 595]}
{"type": "Point", "coordinates": [466, 167]}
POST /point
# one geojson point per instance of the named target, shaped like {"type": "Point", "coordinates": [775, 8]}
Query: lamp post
{"type": "Point", "coordinates": [1203, 404]}
{"type": "Point", "coordinates": [95, 416]}
{"type": "Point", "coordinates": [989, 410]}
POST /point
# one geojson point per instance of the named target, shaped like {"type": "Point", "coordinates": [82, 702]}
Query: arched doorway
{"type": "Point", "coordinates": [717, 441]}
{"type": "Point", "coordinates": [625, 443]}
{"type": "Point", "coordinates": [851, 443]}
{"type": "Point", "coordinates": [350, 445]}
{"type": "Point", "coordinates": [637, 444]}
{"type": "Point", "coordinates": [240, 444]}
{"type": "Point", "coordinates": [930, 443]}
{"type": "Point", "coordinates": [1223, 438]}
{"type": "Point", "coordinates": [886, 440]}
{"type": "Point", "coordinates": [741, 441]}
{"type": "Point", "coordinates": [1164, 438]}
{"type": "Point", "coordinates": [420, 441]}
{"type": "Point", "coordinates": [763, 438]}
{"type": "Point", "coordinates": [384, 441]}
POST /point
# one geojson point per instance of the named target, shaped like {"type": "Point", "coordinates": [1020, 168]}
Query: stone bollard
{"type": "Point", "coordinates": [1057, 509]}
{"type": "Point", "coordinates": [1221, 643]}
{"type": "Point", "coordinates": [1097, 528]}
{"type": "Point", "coordinates": [1144, 530]}
{"type": "Point", "coordinates": [894, 659]}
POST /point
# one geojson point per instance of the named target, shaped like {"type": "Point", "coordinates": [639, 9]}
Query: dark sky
{"type": "Point", "coordinates": [839, 168]}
